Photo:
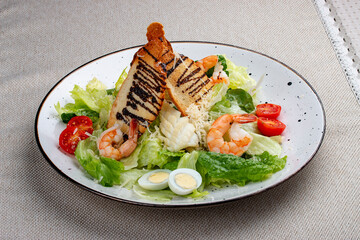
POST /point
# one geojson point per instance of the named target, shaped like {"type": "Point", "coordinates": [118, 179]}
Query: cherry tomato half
{"type": "Point", "coordinates": [78, 128]}
{"type": "Point", "coordinates": [82, 122]}
{"type": "Point", "coordinates": [270, 127]}
{"type": "Point", "coordinates": [268, 110]}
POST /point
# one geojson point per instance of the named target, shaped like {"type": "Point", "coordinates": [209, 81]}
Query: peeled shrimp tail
{"type": "Point", "coordinates": [240, 140]}
{"type": "Point", "coordinates": [111, 143]}
{"type": "Point", "coordinates": [244, 118]}
{"type": "Point", "coordinates": [207, 62]}
{"type": "Point", "coordinates": [129, 146]}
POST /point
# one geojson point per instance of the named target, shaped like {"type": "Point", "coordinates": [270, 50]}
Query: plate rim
{"type": "Point", "coordinates": [177, 206]}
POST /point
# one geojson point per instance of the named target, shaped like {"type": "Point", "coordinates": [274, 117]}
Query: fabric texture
{"type": "Point", "coordinates": [341, 20]}
{"type": "Point", "coordinates": [42, 41]}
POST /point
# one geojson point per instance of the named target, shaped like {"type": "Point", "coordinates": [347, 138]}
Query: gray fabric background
{"type": "Point", "coordinates": [41, 41]}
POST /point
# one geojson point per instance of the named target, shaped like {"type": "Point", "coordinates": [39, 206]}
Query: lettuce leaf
{"type": "Point", "coordinates": [160, 195]}
{"type": "Point", "coordinates": [235, 101]}
{"type": "Point", "coordinates": [129, 178]}
{"type": "Point", "coordinates": [189, 160]}
{"type": "Point", "coordinates": [225, 168]}
{"type": "Point", "coordinates": [261, 143]}
{"type": "Point", "coordinates": [114, 91]}
{"type": "Point", "coordinates": [149, 152]}
{"type": "Point", "coordinates": [93, 102]}
{"type": "Point", "coordinates": [239, 77]}
{"type": "Point", "coordinates": [105, 170]}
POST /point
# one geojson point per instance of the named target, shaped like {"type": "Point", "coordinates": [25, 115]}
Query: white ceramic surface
{"type": "Point", "coordinates": [302, 112]}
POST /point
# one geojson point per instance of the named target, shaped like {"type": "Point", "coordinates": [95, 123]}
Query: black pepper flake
{"type": "Point", "coordinates": [299, 120]}
{"type": "Point", "coordinates": [289, 83]}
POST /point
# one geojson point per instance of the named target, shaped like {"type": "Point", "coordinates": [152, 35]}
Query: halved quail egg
{"type": "Point", "coordinates": [155, 180]}
{"type": "Point", "coordinates": [183, 181]}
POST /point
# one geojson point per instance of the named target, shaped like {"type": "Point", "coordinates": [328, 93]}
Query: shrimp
{"type": "Point", "coordinates": [240, 140]}
{"type": "Point", "coordinates": [208, 62]}
{"type": "Point", "coordinates": [111, 143]}
{"type": "Point", "coordinates": [219, 76]}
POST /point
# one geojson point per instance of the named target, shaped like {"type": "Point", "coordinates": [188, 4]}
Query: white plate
{"type": "Point", "coordinates": [302, 112]}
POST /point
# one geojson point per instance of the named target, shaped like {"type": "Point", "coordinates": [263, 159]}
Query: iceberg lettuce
{"type": "Point", "coordinates": [93, 102]}
{"type": "Point", "coordinates": [239, 77]}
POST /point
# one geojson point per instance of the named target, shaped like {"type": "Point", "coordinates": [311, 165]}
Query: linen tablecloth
{"type": "Point", "coordinates": [41, 41]}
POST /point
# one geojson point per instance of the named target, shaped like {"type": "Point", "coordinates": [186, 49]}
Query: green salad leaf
{"type": "Point", "coordinates": [261, 143]}
{"type": "Point", "coordinates": [239, 77]}
{"type": "Point", "coordinates": [235, 101]}
{"type": "Point", "coordinates": [151, 155]}
{"type": "Point", "coordinates": [159, 195]}
{"type": "Point", "coordinates": [129, 178]}
{"type": "Point", "coordinates": [150, 152]}
{"type": "Point", "coordinates": [189, 160]}
{"type": "Point", "coordinates": [105, 170]}
{"type": "Point", "coordinates": [225, 168]}
{"type": "Point", "coordinates": [93, 102]}
{"type": "Point", "coordinates": [114, 91]}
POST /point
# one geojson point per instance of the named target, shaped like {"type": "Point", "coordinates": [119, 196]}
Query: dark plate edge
{"type": "Point", "coordinates": [180, 206]}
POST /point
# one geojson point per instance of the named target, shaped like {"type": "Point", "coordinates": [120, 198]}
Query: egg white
{"type": "Point", "coordinates": [180, 190]}
{"type": "Point", "coordinates": [146, 184]}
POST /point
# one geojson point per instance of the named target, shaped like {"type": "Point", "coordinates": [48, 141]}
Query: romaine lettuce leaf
{"type": "Point", "coordinates": [106, 170]}
{"type": "Point", "coordinates": [150, 154]}
{"type": "Point", "coordinates": [95, 84]}
{"type": "Point", "coordinates": [226, 168]}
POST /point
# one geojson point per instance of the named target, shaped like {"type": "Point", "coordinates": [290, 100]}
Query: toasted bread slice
{"type": "Point", "coordinates": [186, 82]}
{"type": "Point", "coordinates": [142, 93]}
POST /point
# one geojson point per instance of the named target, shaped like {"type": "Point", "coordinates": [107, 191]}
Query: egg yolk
{"type": "Point", "coordinates": [158, 177]}
{"type": "Point", "coordinates": [185, 181]}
